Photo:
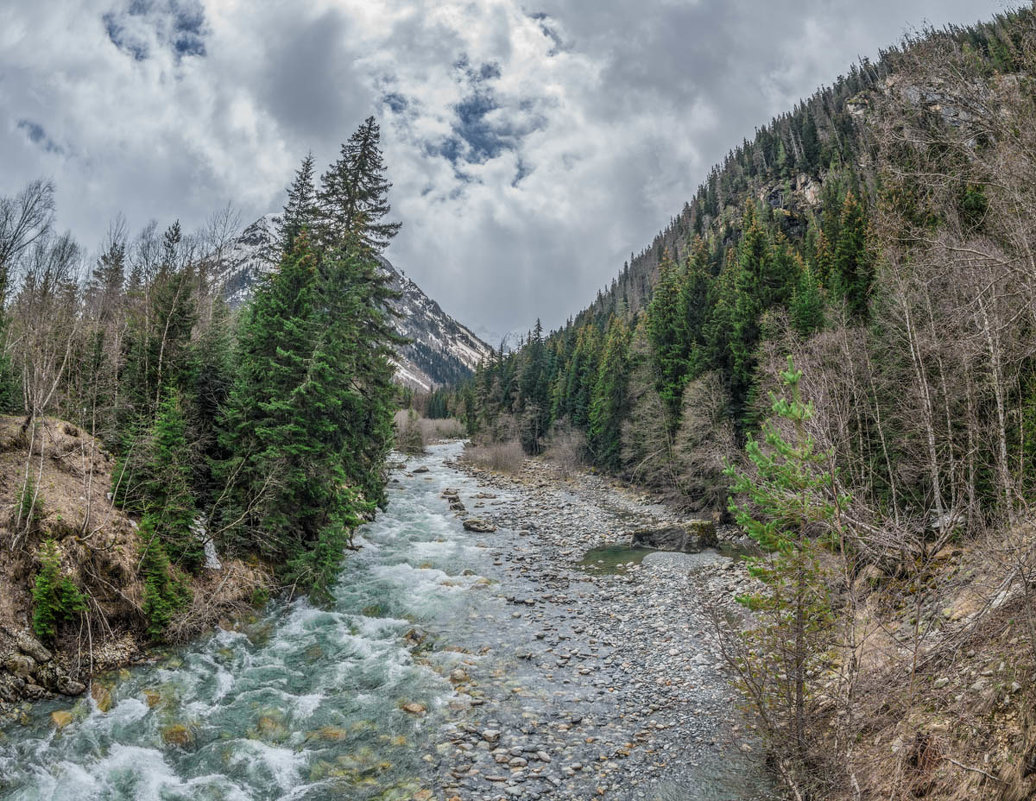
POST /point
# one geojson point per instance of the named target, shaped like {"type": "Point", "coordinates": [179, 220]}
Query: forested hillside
{"type": "Point", "coordinates": [258, 436]}
{"type": "Point", "coordinates": [840, 327]}
{"type": "Point", "coordinates": [877, 232]}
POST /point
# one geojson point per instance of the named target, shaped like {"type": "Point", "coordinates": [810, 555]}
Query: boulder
{"type": "Point", "coordinates": [704, 531]}
{"type": "Point", "coordinates": [688, 538]}
{"type": "Point", "coordinates": [20, 665]}
{"type": "Point", "coordinates": [479, 526]}
{"type": "Point", "coordinates": [28, 644]}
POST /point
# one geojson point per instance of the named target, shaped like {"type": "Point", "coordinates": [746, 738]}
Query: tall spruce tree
{"type": "Point", "coordinates": [853, 268]}
{"type": "Point", "coordinates": [301, 209]}
{"type": "Point", "coordinates": [353, 194]}
{"type": "Point", "coordinates": [669, 336]}
{"type": "Point", "coordinates": [274, 505]}
{"type": "Point", "coordinates": [609, 400]}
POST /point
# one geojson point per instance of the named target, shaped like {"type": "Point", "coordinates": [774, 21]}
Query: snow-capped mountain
{"type": "Point", "coordinates": [441, 349]}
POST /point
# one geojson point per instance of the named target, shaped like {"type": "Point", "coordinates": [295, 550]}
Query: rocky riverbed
{"type": "Point", "coordinates": [470, 651]}
{"type": "Point", "coordinates": [617, 688]}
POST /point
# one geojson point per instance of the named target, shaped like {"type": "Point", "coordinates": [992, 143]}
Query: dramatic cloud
{"type": "Point", "coordinates": [531, 148]}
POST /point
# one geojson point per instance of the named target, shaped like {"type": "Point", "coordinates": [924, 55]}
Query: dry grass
{"type": "Point", "coordinates": [566, 448]}
{"type": "Point", "coordinates": [448, 428]}
{"type": "Point", "coordinates": [500, 457]}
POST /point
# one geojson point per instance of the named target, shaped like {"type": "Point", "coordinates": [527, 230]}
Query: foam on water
{"type": "Point", "coordinates": [259, 713]}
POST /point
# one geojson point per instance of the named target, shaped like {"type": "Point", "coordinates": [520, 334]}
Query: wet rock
{"type": "Point", "coordinates": [414, 708]}
{"type": "Point", "coordinates": [61, 718]}
{"type": "Point", "coordinates": [479, 525]}
{"type": "Point", "coordinates": [178, 734]}
{"type": "Point", "coordinates": [421, 469]}
{"type": "Point", "coordinates": [20, 665]}
{"type": "Point", "coordinates": [102, 696]}
{"type": "Point", "coordinates": [29, 645]}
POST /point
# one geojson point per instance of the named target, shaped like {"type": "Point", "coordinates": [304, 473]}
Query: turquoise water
{"type": "Point", "coordinates": [303, 703]}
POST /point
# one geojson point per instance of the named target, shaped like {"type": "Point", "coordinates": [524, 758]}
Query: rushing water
{"type": "Point", "coordinates": [304, 703]}
{"type": "Point", "coordinates": [309, 703]}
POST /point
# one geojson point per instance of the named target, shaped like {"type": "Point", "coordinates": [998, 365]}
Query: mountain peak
{"type": "Point", "coordinates": [441, 350]}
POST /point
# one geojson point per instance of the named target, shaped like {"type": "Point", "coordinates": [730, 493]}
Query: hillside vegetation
{"type": "Point", "coordinates": [881, 235]}
{"type": "Point", "coordinates": [155, 434]}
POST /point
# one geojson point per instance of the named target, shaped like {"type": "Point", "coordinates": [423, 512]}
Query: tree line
{"type": "Point", "coordinates": [263, 431]}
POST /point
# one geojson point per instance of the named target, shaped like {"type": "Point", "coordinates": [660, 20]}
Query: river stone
{"type": "Point", "coordinates": [692, 536]}
{"type": "Point", "coordinates": [69, 686]}
{"type": "Point", "coordinates": [102, 696]}
{"type": "Point", "coordinates": [28, 644]}
{"type": "Point", "coordinates": [478, 525]}
{"type": "Point", "coordinates": [61, 718]}
{"type": "Point", "coordinates": [178, 734]}
{"type": "Point", "coordinates": [414, 708]}
{"type": "Point", "coordinates": [20, 665]}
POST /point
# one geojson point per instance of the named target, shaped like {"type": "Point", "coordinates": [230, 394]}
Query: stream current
{"type": "Point", "coordinates": [346, 702]}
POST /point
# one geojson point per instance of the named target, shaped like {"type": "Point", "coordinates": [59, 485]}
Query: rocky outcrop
{"type": "Point", "coordinates": [30, 672]}
{"type": "Point", "coordinates": [691, 537]}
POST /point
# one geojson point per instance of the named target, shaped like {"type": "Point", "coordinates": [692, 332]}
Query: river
{"type": "Point", "coordinates": [366, 699]}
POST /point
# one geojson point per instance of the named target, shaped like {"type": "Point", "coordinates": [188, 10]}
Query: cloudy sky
{"type": "Point", "coordinates": [533, 144]}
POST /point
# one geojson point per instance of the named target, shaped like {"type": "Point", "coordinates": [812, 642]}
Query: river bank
{"type": "Point", "coordinates": [451, 664]}
{"type": "Point", "coordinates": [630, 696]}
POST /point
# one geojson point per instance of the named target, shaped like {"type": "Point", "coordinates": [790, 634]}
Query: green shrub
{"type": "Point", "coordinates": [55, 597]}
{"type": "Point", "coordinates": [165, 593]}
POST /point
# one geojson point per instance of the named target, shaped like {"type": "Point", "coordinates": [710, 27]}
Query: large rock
{"type": "Point", "coordinates": [20, 665]}
{"type": "Point", "coordinates": [691, 537]}
{"type": "Point", "coordinates": [28, 644]}
{"type": "Point", "coordinates": [478, 525]}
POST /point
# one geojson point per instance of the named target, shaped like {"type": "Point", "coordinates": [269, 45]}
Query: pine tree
{"type": "Point", "coordinates": [533, 389]}
{"type": "Point", "coordinates": [670, 338]}
{"type": "Point", "coordinates": [353, 195]}
{"type": "Point", "coordinates": [301, 209]}
{"type": "Point", "coordinates": [750, 301]}
{"type": "Point", "coordinates": [154, 478]}
{"type": "Point", "coordinates": [853, 269]}
{"type": "Point", "coordinates": [609, 401]}
{"type": "Point", "coordinates": [165, 592]}
{"type": "Point", "coordinates": [788, 498]}
{"type": "Point", "coordinates": [807, 304]}
{"type": "Point", "coordinates": [265, 426]}
{"type": "Point", "coordinates": [55, 597]}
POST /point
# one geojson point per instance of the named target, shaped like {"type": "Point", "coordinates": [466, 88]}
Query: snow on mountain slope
{"type": "Point", "coordinates": [441, 349]}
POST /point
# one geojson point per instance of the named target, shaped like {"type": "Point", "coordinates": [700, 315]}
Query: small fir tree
{"type": "Point", "coordinates": [788, 504]}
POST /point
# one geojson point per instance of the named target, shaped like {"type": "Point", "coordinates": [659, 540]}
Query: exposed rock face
{"type": "Point", "coordinates": [441, 351]}
{"type": "Point", "coordinates": [692, 536]}
{"type": "Point", "coordinates": [30, 671]}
